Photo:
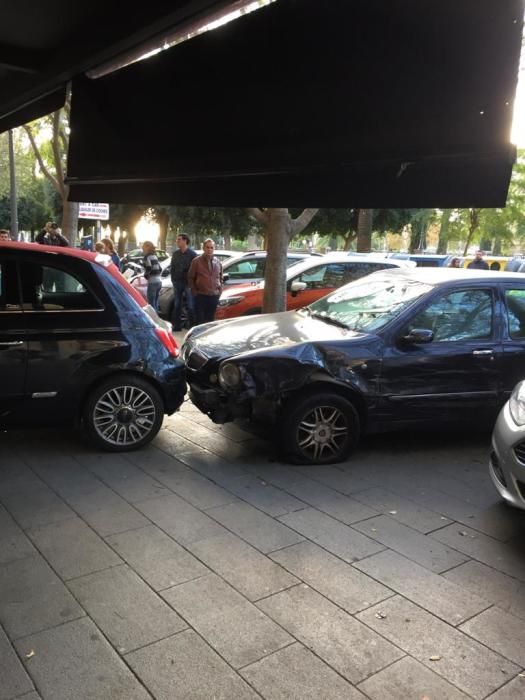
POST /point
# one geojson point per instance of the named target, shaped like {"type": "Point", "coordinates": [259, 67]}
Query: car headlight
{"type": "Point", "coordinates": [230, 301]}
{"type": "Point", "coordinates": [229, 376]}
{"type": "Point", "coordinates": [517, 404]}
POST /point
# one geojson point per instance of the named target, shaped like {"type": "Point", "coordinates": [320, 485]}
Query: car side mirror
{"type": "Point", "coordinates": [297, 287]}
{"type": "Point", "coordinates": [419, 336]}
{"type": "Point", "coordinates": [225, 277]}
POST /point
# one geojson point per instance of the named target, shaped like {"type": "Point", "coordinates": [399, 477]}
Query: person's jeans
{"type": "Point", "coordinates": [182, 293]}
{"type": "Point", "coordinates": [205, 306]}
{"type": "Point", "coordinates": [153, 291]}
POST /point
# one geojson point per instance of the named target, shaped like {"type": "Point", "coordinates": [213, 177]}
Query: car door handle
{"type": "Point", "coordinates": [12, 342]}
{"type": "Point", "coordinates": [482, 352]}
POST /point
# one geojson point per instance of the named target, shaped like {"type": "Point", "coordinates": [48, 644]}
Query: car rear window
{"type": "Point", "coordinates": [48, 288]}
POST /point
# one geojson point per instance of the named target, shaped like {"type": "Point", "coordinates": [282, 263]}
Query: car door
{"type": "Point", "coordinates": [13, 344]}
{"type": "Point", "coordinates": [458, 373]}
{"type": "Point", "coordinates": [513, 313]}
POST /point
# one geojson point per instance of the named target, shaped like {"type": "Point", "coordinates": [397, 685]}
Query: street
{"type": "Point", "coordinates": [202, 567]}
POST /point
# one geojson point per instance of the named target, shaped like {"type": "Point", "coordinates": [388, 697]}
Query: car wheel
{"type": "Point", "coordinates": [319, 429]}
{"type": "Point", "coordinates": [123, 413]}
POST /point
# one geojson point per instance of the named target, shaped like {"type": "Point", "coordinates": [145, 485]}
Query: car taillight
{"type": "Point", "coordinates": [168, 341]}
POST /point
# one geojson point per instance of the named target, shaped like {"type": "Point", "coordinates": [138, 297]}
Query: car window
{"type": "Point", "coordinates": [46, 288]}
{"type": "Point", "coordinates": [246, 269]}
{"type": "Point", "coordinates": [461, 315]}
{"type": "Point", "coordinates": [9, 292]}
{"type": "Point", "coordinates": [515, 301]}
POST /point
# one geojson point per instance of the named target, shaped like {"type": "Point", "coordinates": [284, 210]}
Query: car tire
{"type": "Point", "coordinates": [319, 429]}
{"type": "Point", "coordinates": [123, 413]}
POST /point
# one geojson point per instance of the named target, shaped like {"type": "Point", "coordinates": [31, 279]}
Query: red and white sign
{"type": "Point", "coordinates": [92, 210]}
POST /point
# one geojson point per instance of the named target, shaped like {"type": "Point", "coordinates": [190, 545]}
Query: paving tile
{"type": "Point", "coordinates": [504, 591]}
{"type": "Point", "coordinates": [184, 667]}
{"type": "Point", "coordinates": [333, 578]}
{"type": "Point", "coordinates": [246, 569]}
{"type": "Point", "coordinates": [36, 506]}
{"type": "Point", "coordinates": [295, 673]}
{"type": "Point", "coordinates": [464, 662]}
{"type": "Point", "coordinates": [500, 631]}
{"type": "Point", "coordinates": [413, 545]}
{"type": "Point", "coordinates": [331, 534]}
{"type": "Point", "coordinates": [157, 557]}
{"type": "Point", "coordinates": [259, 529]}
{"type": "Point", "coordinates": [325, 499]}
{"type": "Point", "coordinates": [125, 478]}
{"type": "Point", "coordinates": [407, 679]}
{"type": "Point", "coordinates": [210, 440]}
{"type": "Point", "coordinates": [436, 594]}
{"type": "Point", "coordinates": [72, 548]}
{"type": "Point", "coordinates": [503, 557]}
{"type": "Point", "coordinates": [15, 476]}
{"type": "Point", "coordinates": [402, 509]}
{"type": "Point", "coordinates": [13, 679]}
{"type": "Point", "coordinates": [13, 542]}
{"type": "Point", "coordinates": [233, 626]}
{"type": "Point", "coordinates": [128, 612]}
{"type": "Point", "coordinates": [29, 696]}
{"type": "Point", "coordinates": [264, 496]}
{"type": "Point", "coordinates": [179, 519]}
{"type": "Point", "coordinates": [350, 647]}
{"type": "Point", "coordinates": [75, 661]}
{"type": "Point", "coordinates": [32, 597]}
{"type": "Point", "coordinates": [515, 690]}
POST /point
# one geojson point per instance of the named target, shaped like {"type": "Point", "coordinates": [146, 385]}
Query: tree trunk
{"type": "Point", "coordinates": [443, 232]}
{"type": "Point", "coordinates": [227, 238]}
{"type": "Point", "coordinates": [278, 233]}
{"type": "Point", "coordinates": [163, 220]}
{"type": "Point", "coordinates": [70, 222]}
{"type": "Point", "coordinates": [473, 225]}
{"type": "Point", "coordinates": [364, 230]}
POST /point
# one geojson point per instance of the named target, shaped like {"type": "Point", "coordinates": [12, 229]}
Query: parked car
{"type": "Point", "coordinates": [306, 281]}
{"type": "Point", "coordinates": [403, 348]}
{"type": "Point", "coordinates": [425, 259]}
{"type": "Point", "coordinates": [507, 457]}
{"type": "Point", "coordinates": [79, 346]}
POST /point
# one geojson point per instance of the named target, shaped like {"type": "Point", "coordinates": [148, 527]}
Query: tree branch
{"type": "Point", "coordinates": [259, 215]}
{"type": "Point", "coordinates": [56, 152]}
{"type": "Point", "coordinates": [302, 221]}
{"type": "Point", "coordinates": [41, 163]}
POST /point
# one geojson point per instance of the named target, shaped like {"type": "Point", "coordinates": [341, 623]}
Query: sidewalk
{"type": "Point", "coordinates": [200, 567]}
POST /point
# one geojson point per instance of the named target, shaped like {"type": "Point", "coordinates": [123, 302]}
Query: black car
{"type": "Point", "coordinates": [78, 345]}
{"type": "Point", "coordinates": [396, 349]}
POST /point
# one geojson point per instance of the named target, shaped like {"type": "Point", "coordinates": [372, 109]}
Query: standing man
{"type": "Point", "coordinates": [205, 281]}
{"type": "Point", "coordinates": [478, 263]}
{"type": "Point", "coordinates": [180, 264]}
{"type": "Point", "coordinates": [52, 235]}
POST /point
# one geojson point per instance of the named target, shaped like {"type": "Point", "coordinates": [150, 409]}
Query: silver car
{"type": "Point", "coordinates": [507, 457]}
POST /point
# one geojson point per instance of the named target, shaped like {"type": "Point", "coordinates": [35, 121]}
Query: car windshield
{"type": "Point", "coordinates": [368, 305]}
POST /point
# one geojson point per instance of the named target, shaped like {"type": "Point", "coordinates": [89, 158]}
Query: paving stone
{"type": "Point", "coordinates": [504, 591]}
{"type": "Point", "coordinates": [339, 478]}
{"type": "Point", "coordinates": [264, 496]}
{"type": "Point", "coordinates": [402, 509]}
{"type": "Point", "coordinates": [128, 612]}
{"type": "Point", "coordinates": [36, 506]}
{"type": "Point", "coordinates": [184, 667]}
{"type": "Point", "coordinates": [15, 476]}
{"type": "Point", "coordinates": [413, 545]}
{"type": "Point", "coordinates": [75, 661]}
{"type": "Point", "coordinates": [462, 661]}
{"type": "Point", "coordinates": [32, 597]}
{"type": "Point", "coordinates": [234, 627]}
{"type": "Point", "coordinates": [261, 531]}
{"type": "Point", "coordinates": [157, 557]}
{"type": "Point", "coordinates": [72, 548]}
{"type": "Point", "coordinates": [249, 571]}
{"type": "Point", "coordinates": [125, 478]}
{"type": "Point", "coordinates": [179, 519]}
{"type": "Point", "coordinates": [334, 536]}
{"type": "Point", "coordinates": [295, 673]}
{"type": "Point", "coordinates": [443, 598]}
{"type": "Point", "coordinates": [13, 679]}
{"type": "Point", "coordinates": [204, 437]}
{"type": "Point", "coordinates": [499, 631]}
{"type": "Point", "coordinates": [503, 557]}
{"type": "Point", "coordinates": [112, 519]}
{"type": "Point", "coordinates": [29, 696]}
{"type": "Point", "coordinates": [515, 690]}
{"type": "Point", "coordinates": [343, 642]}
{"type": "Point", "coordinates": [331, 502]}
{"type": "Point", "coordinates": [407, 679]}
{"type": "Point", "coordinates": [333, 578]}
{"type": "Point", "coordinates": [13, 542]}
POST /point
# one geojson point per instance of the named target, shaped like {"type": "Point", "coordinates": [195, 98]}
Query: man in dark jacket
{"type": "Point", "coordinates": [51, 235]}
{"type": "Point", "coordinates": [478, 263]}
{"type": "Point", "coordinates": [180, 264]}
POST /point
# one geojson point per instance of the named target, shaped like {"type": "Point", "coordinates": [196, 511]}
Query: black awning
{"type": "Point", "coordinates": [36, 109]}
{"type": "Point", "coordinates": [348, 103]}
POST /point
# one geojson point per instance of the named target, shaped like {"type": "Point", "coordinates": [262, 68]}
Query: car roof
{"type": "Point", "coordinates": [347, 259]}
{"type": "Point", "coordinates": [440, 275]}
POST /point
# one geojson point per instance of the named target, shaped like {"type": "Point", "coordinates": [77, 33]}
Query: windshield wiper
{"type": "Point", "coordinates": [328, 319]}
